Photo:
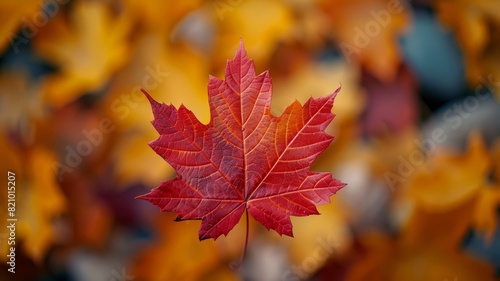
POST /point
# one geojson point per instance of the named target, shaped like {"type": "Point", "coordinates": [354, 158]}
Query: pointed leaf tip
{"type": "Point", "coordinates": [241, 49]}
{"type": "Point", "coordinates": [151, 100]}
{"type": "Point", "coordinates": [338, 90]}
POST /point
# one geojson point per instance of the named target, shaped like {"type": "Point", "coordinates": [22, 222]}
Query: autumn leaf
{"type": "Point", "coordinates": [14, 17]}
{"type": "Point", "coordinates": [313, 79]}
{"type": "Point", "coordinates": [495, 158]}
{"type": "Point", "coordinates": [245, 159]}
{"type": "Point", "coordinates": [352, 22]}
{"type": "Point", "coordinates": [20, 103]}
{"type": "Point", "coordinates": [485, 214]}
{"type": "Point", "coordinates": [42, 202]}
{"type": "Point", "coordinates": [427, 249]}
{"type": "Point", "coordinates": [330, 231]}
{"type": "Point", "coordinates": [448, 179]}
{"type": "Point", "coordinates": [471, 21]}
{"type": "Point", "coordinates": [39, 199]}
{"type": "Point", "coordinates": [173, 256]}
{"type": "Point", "coordinates": [152, 14]}
{"type": "Point", "coordinates": [87, 50]}
{"type": "Point", "coordinates": [391, 104]}
{"type": "Point", "coordinates": [263, 23]}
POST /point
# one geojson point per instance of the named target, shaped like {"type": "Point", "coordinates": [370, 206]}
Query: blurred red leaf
{"type": "Point", "coordinates": [245, 159]}
{"type": "Point", "coordinates": [391, 105]}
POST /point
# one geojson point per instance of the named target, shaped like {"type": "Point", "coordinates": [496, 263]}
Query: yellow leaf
{"type": "Point", "coordinates": [20, 104]}
{"type": "Point", "coordinates": [14, 15]}
{"type": "Point", "coordinates": [450, 198]}
{"type": "Point", "coordinates": [448, 179]}
{"type": "Point", "coordinates": [448, 227]}
{"type": "Point", "coordinates": [38, 198]}
{"type": "Point", "coordinates": [485, 213]}
{"type": "Point", "coordinates": [427, 249]}
{"type": "Point", "coordinates": [88, 49]}
{"type": "Point", "coordinates": [367, 32]}
{"type": "Point", "coordinates": [42, 202]}
{"type": "Point", "coordinates": [161, 15]}
{"type": "Point", "coordinates": [177, 254]}
{"type": "Point", "coordinates": [389, 149]}
{"type": "Point", "coordinates": [262, 23]}
{"type": "Point", "coordinates": [472, 22]}
{"type": "Point", "coordinates": [319, 237]}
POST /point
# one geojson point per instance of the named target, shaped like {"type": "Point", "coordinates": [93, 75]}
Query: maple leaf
{"type": "Point", "coordinates": [245, 159]}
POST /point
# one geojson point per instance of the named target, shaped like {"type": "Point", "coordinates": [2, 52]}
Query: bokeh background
{"type": "Point", "coordinates": [417, 136]}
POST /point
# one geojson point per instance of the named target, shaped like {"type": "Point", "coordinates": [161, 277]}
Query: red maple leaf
{"type": "Point", "coordinates": [245, 159]}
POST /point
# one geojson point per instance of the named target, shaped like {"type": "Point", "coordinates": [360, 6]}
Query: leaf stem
{"type": "Point", "coordinates": [238, 265]}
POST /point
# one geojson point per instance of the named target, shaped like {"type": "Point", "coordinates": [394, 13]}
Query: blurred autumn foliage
{"type": "Point", "coordinates": [417, 136]}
